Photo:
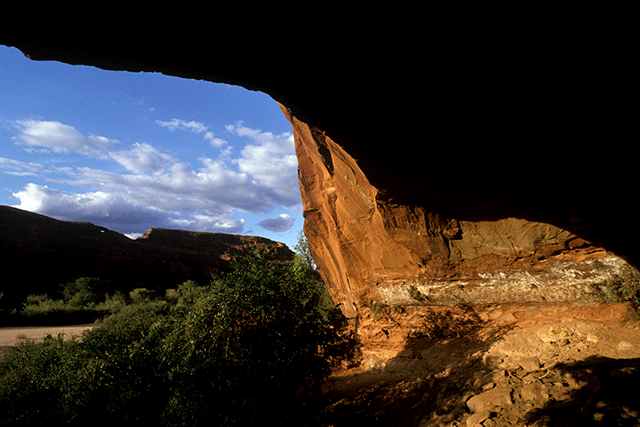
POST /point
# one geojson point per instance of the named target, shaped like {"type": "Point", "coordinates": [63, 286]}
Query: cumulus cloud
{"type": "Point", "coordinates": [61, 138]}
{"type": "Point", "coordinates": [159, 189]}
{"type": "Point", "coordinates": [40, 198]}
{"type": "Point", "coordinates": [143, 157]}
{"type": "Point", "coordinates": [214, 223]}
{"type": "Point", "coordinates": [193, 126]}
{"type": "Point", "coordinates": [270, 160]}
{"type": "Point", "coordinates": [97, 207]}
{"type": "Point", "coordinates": [118, 213]}
{"type": "Point", "coordinates": [282, 223]}
{"type": "Point", "coordinates": [214, 141]}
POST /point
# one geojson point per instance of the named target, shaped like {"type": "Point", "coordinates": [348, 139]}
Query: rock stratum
{"type": "Point", "coordinates": [45, 252]}
{"type": "Point", "coordinates": [372, 249]}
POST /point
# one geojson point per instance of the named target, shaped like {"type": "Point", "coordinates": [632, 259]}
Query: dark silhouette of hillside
{"type": "Point", "coordinates": [39, 253]}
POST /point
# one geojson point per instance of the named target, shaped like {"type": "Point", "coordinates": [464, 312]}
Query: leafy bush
{"type": "Point", "coordinates": [255, 340]}
{"type": "Point", "coordinates": [83, 292]}
{"type": "Point", "coordinates": [112, 303]}
{"type": "Point", "coordinates": [108, 376]}
{"type": "Point", "coordinates": [33, 382]}
{"type": "Point", "coordinates": [83, 301]}
{"type": "Point", "coordinates": [121, 381]}
{"type": "Point", "coordinates": [254, 345]}
{"type": "Point", "coordinates": [40, 304]}
{"type": "Point", "coordinates": [187, 293]}
{"type": "Point", "coordinates": [625, 287]}
{"type": "Point", "coordinates": [40, 309]}
{"type": "Point", "coordinates": [141, 295]}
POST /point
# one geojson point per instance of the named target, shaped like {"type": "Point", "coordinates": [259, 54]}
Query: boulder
{"type": "Point", "coordinates": [497, 397]}
{"type": "Point", "coordinates": [529, 364]}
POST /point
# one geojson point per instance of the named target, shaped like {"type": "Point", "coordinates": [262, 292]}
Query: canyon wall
{"type": "Point", "coordinates": [373, 251]}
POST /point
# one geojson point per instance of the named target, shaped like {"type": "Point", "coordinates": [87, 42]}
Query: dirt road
{"type": "Point", "coordinates": [13, 335]}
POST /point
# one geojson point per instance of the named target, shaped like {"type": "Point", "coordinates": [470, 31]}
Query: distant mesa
{"type": "Point", "coordinates": [45, 252]}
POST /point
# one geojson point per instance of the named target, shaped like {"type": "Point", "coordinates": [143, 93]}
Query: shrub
{"type": "Point", "coordinates": [41, 309]}
{"type": "Point", "coordinates": [113, 303]}
{"type": "Point", "coordinates": [254, 340]}
{"type": "Point", "coordinates": [250, 346]}
{"type": "Point", "coordinates": [84, 292]}
{"type": "Point", "coordinates": [33, 382]}
{"type": "Point", "coordinates": [625, 287]}
{"type": "Point", "coordinates": [187, 293]}
{"type": "Point", "coordinates": [120, 381]}
{"type": "Point", "coordinates": [141, 295]}
{"type": "Point", "coordinates": [38, 305]}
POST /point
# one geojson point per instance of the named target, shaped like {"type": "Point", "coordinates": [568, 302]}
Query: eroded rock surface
{"type": "Point", "coordinates": [495, 365]}
{"type": "Point", "coordinates": [370, 249]}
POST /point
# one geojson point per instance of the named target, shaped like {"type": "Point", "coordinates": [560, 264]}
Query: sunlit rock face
{"type": "Point", "coordinates": [371, 249]}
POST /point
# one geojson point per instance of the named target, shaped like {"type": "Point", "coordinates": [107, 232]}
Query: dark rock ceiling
{"type": "Point", "coordinates": [473, 128]}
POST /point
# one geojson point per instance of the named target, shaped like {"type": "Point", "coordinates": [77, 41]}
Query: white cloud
{"type": "Point", "coordinates": [193, 126]}
{"type": "Point", "coordinates": [159, 189]}
{"type": "Point", "coordinates": [271, 161]}
{"type": "Point", "coordinates": [116, 212]}
{"type": "Point", "coordinates": [19, 168]}
{"type": "Point", "coordinates": [214, 141]}
{"type": "Point", "coordinates": [69, 206]}
{"type": "Point", "coordinates": [143, 157]}
{"type": "Point", "coordinates": [282, 223]}
{"type": "Point", "coordinates": [266, 177]}
{"type": "Point", "coordinates": [61, 138]}
{"type": "Point", "coordinates": [213, 223]}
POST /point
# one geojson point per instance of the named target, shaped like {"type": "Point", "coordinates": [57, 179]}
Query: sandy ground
{"type": "Point", "coordinates": [13, 335]}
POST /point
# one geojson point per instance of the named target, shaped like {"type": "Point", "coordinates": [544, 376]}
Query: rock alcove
{"type": "Point", "coordinates": [469, 179]}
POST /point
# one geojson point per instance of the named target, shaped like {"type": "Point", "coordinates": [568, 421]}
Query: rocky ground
{"type": "Point", "coordinates": [496, 365]}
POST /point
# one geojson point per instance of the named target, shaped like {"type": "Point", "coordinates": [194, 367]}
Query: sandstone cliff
{"type": "Point", "coordinates": [371, 249]}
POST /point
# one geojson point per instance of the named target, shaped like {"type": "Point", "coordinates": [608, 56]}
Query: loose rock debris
{"type": "Point", "coordinates": [565, 369]}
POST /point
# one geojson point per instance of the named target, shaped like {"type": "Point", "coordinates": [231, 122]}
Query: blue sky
{"type": "Point", "coordinates": [130, 151]}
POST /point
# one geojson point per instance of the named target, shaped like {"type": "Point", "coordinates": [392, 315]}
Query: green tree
{"type": "Point", "coordinates": [83, 292]}
{"type": "Point", "coordinates": [186, 294]}
{"type": "Point", "coordinates": [303, 252]}
{"type": "Point", "coordinates": [256, 339]}
{"type": "Point", "coordinates": [141, 295]}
